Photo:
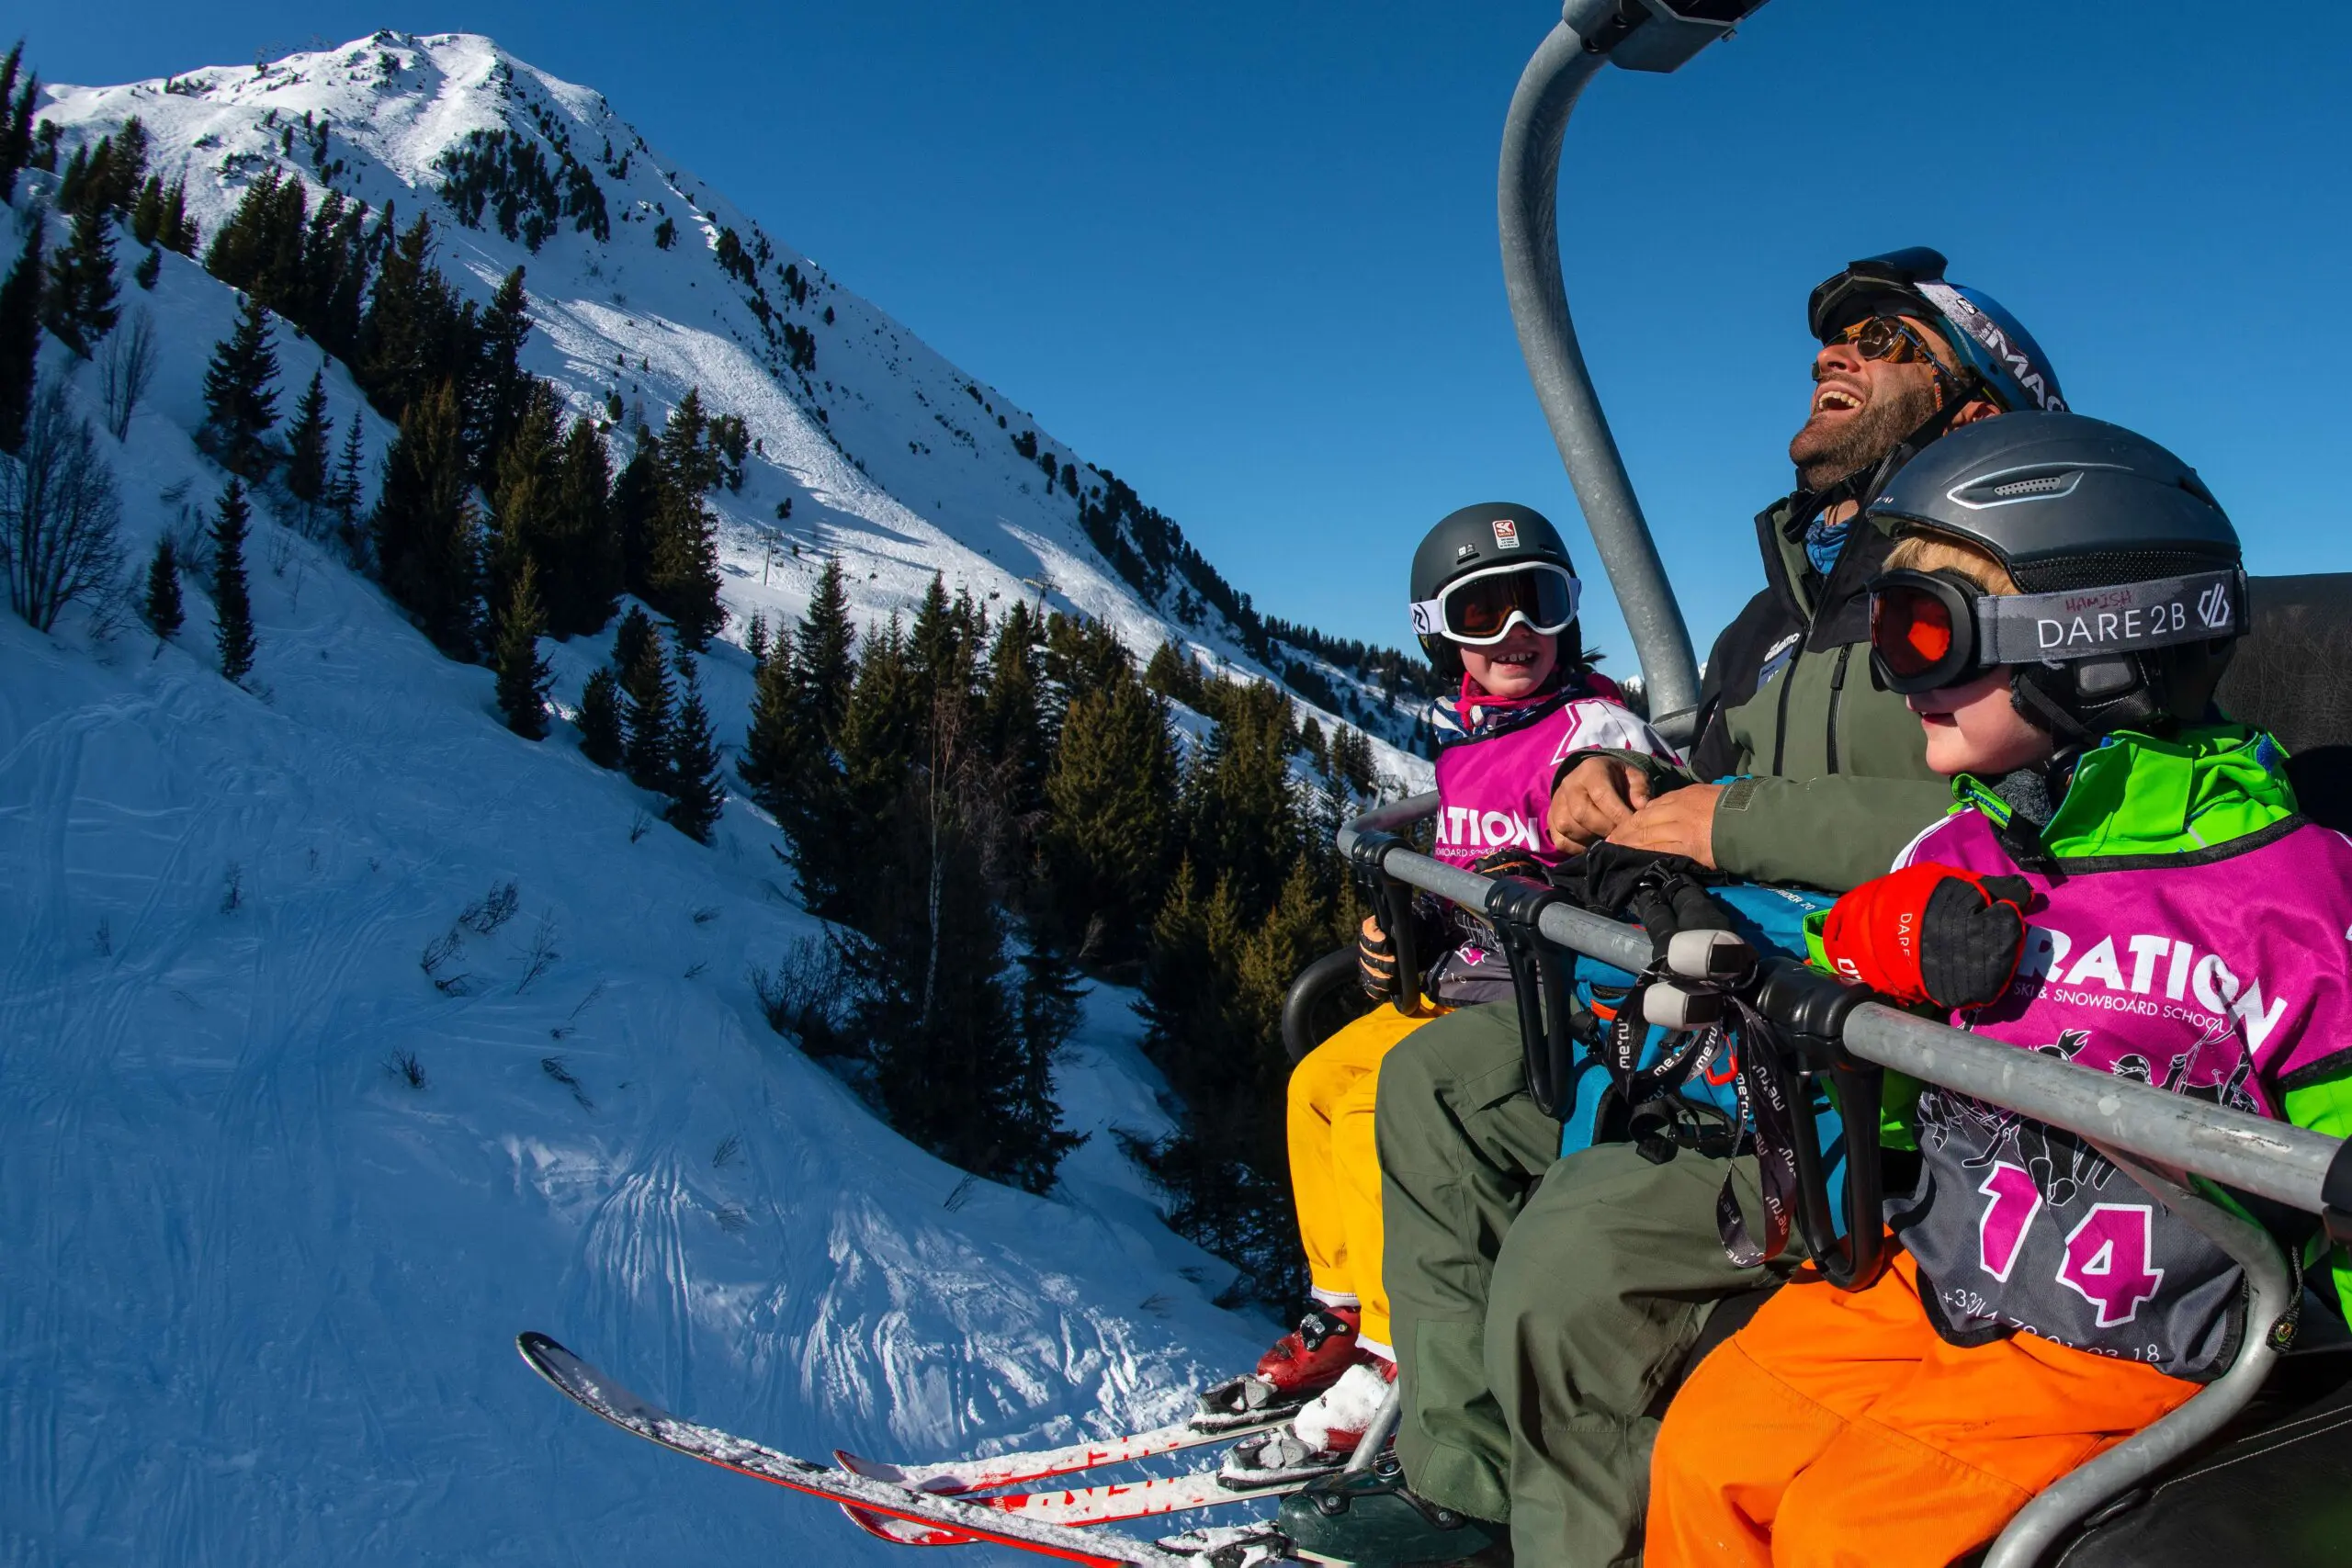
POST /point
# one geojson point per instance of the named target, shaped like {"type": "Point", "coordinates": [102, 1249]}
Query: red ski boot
{"type": "Point", "coordinates": [1302, 1364]}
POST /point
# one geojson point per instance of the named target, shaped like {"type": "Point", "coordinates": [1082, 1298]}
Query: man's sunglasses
{"type": "Point", "coordinates": [1889, 338]}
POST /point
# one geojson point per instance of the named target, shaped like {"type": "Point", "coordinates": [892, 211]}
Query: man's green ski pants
{"type": "Point", "coordinates": [1540, 1304]}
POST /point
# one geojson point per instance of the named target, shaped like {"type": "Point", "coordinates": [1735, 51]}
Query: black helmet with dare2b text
{"type": "Point", "coordinates": [2132, 595]}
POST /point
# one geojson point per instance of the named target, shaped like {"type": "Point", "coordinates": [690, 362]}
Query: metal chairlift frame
{"type": "Point", "coordinates": [2160, 1140]}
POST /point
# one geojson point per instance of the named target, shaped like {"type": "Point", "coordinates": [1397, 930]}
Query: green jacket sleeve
{"type": "Point", "coordinates": [1834, 832]}
{"type": "Point", "coordinates": [2327, 1108]}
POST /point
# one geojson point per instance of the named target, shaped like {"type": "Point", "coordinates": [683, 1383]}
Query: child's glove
{"type": "Point", "coordinates": [1511, 861]}
{"type": "Point", "coordinates": [1375, 961]}
{"type": "Point", "coordinates": [1930, 933]}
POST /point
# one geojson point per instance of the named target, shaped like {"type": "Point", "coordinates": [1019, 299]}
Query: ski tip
{"type": "Point", "coordinates": [536, 1348]}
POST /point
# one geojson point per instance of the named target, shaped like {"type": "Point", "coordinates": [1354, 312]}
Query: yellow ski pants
{"type": "Point", "coordinates": [1335, 1165]}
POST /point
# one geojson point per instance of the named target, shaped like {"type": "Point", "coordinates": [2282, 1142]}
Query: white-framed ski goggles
{"type": "Point", "coordinates": [1478, 610]}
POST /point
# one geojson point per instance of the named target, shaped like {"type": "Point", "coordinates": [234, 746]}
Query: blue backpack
{"type": "Point", "coordinates": [1772, 920]}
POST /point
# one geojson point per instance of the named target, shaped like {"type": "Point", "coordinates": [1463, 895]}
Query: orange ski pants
{"type": "Point", "coordinates": [1334, 1164]}
{"type": "Point", "coordinates": [1839, 1429]}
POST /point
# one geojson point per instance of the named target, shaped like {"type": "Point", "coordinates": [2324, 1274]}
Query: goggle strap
{"type": "Point", "coordinates": [2036, 629]}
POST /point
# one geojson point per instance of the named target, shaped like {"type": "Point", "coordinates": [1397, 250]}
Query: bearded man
{"type": "Point", "coordinates": [1539, 1328]}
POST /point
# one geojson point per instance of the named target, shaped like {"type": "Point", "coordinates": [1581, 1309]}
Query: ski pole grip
{"type": "Point", "coordinates": [1720, 958]}
{"type": "Point", "coordinates": [1671, 1007]}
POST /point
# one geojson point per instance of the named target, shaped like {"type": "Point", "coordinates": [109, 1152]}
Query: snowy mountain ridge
{"type": "Point", "coordinates": [644, 282]}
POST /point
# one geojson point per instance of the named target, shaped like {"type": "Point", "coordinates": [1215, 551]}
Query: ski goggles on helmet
{"type": "Point", "coordinates": [1479, 608]}
{"type": "Point", "coordinates": [1932, 630]}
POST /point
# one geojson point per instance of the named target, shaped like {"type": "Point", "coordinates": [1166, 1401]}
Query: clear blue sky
{"type": "Point", "coordinates": [1244, 254]}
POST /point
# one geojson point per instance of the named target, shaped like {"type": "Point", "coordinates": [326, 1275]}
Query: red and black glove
{"type": "Point", "coordinates": [1375, 961]}
{"type": "Point", "coordinates": [1931, 933]}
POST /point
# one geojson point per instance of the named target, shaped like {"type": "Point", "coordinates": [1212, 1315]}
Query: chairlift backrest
{"type": "Point", "coordinates": [2292, 676]}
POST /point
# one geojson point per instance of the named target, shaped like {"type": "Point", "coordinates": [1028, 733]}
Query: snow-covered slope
{"type": "Point", "coordinates": [899, 461]}
{"type": "Point", "coordinates": [258, 1280]}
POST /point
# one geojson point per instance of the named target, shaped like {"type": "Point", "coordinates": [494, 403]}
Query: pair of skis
{"type": "Point", "coordinates": [959, 1502]}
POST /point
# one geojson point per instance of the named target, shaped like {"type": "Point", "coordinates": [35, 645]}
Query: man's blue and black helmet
{"type": "Point", "coordinates": [1997, 354]}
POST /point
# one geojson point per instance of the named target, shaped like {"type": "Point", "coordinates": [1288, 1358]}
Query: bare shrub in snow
{"type": "Point", "coordinates": [103, 938]}
{"type": "Point", "coordinates": [804, 996]}
{"type": "Point", "coordinates": [127, 371]}
{"type": "Point", "coordinates": [58, 513]}
{"type": "Point", "coordinates": [555, 1068]}
{"type": "Point", "coordinates": [438, 954]}
{"type": "Point", "coordinates": [541, 955]}
{"type": "Point", "coordinates": [571, 1019]}
{"type": "Point", "coordinates": [639, 825]}
{"type": "Point", "coordinates": [724, 1155]}
{"type": "Point", "coordinates": [233, 889]}
{"type": "Point", "coordinates": [403, 1064]}
{"type": "Point", "coordinates": [492, 910]}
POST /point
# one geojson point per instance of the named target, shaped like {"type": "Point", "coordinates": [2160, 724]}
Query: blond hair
{"type": "Point", "coordinates": [1934, 552]}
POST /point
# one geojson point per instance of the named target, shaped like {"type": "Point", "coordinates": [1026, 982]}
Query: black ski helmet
{"type": "Point", "coordinates": [1997, 354]}
{"type": "Point", "coordinates": [1490, 534]}
{"type": "Point", "coordinates": [2133, 577]}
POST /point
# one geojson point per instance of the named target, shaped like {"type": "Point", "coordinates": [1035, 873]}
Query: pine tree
{"type": "Point", "coordinates": [636, 501]}
{"type": "Point", "coordinates": [635, 634]}
{"type": "Point", "coordinates": [649, 718]}
{"type": "Point", "coordinates": [1174, 675]}
{"type": "Point", "coordinates": [499, 395]}
{"type": "Point", "coordinates": [524, 499]}
{"type": "Point", "coordinates": [776, 745]}
{"type": "Point", "coordinates": [233, 607]}
{"type": "Point", "coordinates": [585, 578]}
{"type": "Point", "coordinates": [19, 339]}
{"type": "Point", "coordinates": [697, 795]}
{"type": "Point", "coordinates": [116, 189]}
{"type": "Point", "coordinates": [350, 494]}
{"type": "Point", "coordinates": [824, 648]}
{"type": "Point", "coordinates": [682, 573]}
{"type": "Point", "coordinates": [150, 269]}
{"type": "Point", "coordinates": [179, 231]}
{"type": "Point", "coordinates": [1242, 808]}
{"type": "Point", "coordinates": [415, 335]}
{"type": "Point", "coordinates": [306, 445]}
{"type": "Point", "coordinates": [600, 719]}
{"type": "Point", "coordinates": [427, 536]}
{"type": "Point", "coordinates": [523, 675]}
{"type": "Point", "coordinates": [1012, 718]}
{"type": "Point", "coordinates": [147, 216]}
{"type": "Point", "coordinates": [755, 640]}
{"type": "Point", "coordinates": [16, 120]}
{"type": "Point", "coordinates": [79, 304]}
{"type": "Point", "coordinates": [240, 405]}
{"type": "Point", "coordinates": [164, 613]}
{"type": "Point", "coordinates": [1113, 824]}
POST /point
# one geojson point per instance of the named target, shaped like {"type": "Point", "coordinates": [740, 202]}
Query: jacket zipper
{"type": "Point", "coordinates": [1838, 698]}
{"type": "Point", "coordinates": [1780, 725]}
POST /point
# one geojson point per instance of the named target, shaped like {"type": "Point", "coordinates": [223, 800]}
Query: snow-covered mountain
{"type": "Point", "coordinates": [275, 1191]}
{"type": "Point", "coordinates": [645, 282]}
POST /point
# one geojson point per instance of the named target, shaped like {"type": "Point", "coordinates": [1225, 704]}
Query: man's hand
{"type": "Point", "coordinates": [1598, 794]}
{"type": "Point", "coordinates": [1683, 823]}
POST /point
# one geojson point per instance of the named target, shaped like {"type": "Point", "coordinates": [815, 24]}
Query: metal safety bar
{"type": "Point", "coordinates": [2156, 1138]}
